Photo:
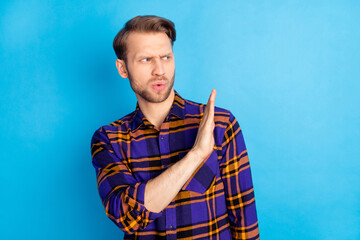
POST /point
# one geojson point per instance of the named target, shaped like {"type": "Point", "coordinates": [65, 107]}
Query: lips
{"type": "Point", "coordinates": [158, 85]}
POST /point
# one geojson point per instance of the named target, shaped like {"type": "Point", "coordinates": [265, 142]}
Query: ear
{"type": "Point", "coordinates": [121, 67]}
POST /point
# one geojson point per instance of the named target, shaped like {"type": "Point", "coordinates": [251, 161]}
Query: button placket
{"type": "Point", "coordinates": [164, 150]}
{"type": "Point", "coordinates": [163, 140]}
{"type": "Point", "coordinates": [170, 221]}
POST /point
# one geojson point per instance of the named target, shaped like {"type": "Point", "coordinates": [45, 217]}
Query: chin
{"type": "Point", "coordinates": [158, 98]}
{"type": "Point", "coordinates": [154, 97]}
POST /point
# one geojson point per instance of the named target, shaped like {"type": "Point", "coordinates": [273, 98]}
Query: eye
{"type": "Point", "coordinates": [166, 57]}
{"type": "Point", "coordinates": [144, 60]}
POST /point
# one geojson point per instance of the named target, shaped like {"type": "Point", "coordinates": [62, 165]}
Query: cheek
{"type": "Point", "coordinates": [140, 73]}
{"type": "Point", "coordinates": [171, 68]}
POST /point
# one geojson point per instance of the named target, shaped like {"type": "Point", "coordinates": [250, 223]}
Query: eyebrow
{"type": "Point", "coordinates": [150, 56]}
{"type": "Point", "coordinates": [167, 54]}
{"type": "Point", "coordinates": [142, 56]}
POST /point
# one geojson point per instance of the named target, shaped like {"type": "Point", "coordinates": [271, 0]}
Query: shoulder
{"type": "Point", "coordinates": [224, 119]}
{"type": "Point", "coordinates": [120, 125]}
{"type": "Point", "coordinates": [221, 115]}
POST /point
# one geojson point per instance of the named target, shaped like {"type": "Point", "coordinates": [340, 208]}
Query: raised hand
{"type": "Point", "coordinates": [161, 190]}
{"type": "Point", "coordinates": [204, 142]}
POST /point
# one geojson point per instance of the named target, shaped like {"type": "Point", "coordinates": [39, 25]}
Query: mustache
{"type": "Point", "coordinates": [158, 79]}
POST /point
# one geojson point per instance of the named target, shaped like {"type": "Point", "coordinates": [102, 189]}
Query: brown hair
{"type": "Point", "coordinates": [147, 23]}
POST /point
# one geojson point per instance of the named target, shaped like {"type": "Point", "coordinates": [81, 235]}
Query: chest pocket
{"type": "Point", "coordinates": [204, 177]}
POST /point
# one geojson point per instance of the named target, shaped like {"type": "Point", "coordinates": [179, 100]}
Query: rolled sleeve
{"type": "Point", "coordinates": [236, 176]}
{"type": "Point", "coordinates": [121, 194]}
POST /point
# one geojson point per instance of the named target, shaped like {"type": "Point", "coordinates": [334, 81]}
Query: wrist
{"type": "Point", "coordinates": [196, 154]}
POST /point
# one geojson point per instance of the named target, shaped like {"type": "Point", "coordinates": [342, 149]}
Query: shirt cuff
{"type": "Point", "coordinates": [139, 203]}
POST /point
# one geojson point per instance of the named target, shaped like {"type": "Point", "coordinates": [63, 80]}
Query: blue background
{"type": "Point", "coordinates": [288, 70]}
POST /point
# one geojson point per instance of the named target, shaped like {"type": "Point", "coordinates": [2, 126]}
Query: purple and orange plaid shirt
{"type": "Point", "coordinates": [217, 202]}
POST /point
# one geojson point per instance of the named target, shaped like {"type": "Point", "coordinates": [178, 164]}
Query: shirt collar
{"type": "Point", "coordinates": [177, 110]}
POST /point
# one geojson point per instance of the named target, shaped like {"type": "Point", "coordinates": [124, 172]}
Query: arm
{"type": "Point", "coordinates": [239, 192]}
{"type": "Point", "coordinates": [133, 205]}
{"type": "Point", "coordinates": [160, 191]}
{"type": "Point", "coordinates": [121, 194]}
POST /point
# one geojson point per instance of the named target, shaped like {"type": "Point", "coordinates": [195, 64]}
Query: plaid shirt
{"type": "Point", "coordinates": [217, 202]}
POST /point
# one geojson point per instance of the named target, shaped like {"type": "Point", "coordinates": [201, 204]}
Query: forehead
{"type": "Point", "coordinates": [148, 43]}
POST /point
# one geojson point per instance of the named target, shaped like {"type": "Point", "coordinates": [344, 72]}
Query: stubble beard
{"type": "Point", "coordinates": [147, 94]}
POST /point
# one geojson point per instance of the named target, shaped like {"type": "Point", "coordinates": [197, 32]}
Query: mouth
{"type": "Point", "coordinates": [158, 85]}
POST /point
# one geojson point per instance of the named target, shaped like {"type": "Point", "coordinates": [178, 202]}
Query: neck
{"type": "Point", "coordinates": [156, 112]}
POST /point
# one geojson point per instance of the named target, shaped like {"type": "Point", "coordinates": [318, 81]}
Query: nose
{"type": "Point", "coordinates": [158, 68]}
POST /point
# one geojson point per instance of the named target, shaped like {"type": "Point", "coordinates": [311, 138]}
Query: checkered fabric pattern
{"type": "Point", "coordinates": [217, 202]}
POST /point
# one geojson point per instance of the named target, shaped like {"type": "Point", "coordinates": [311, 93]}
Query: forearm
{"type": "Point", "coordinates": [161, 190]}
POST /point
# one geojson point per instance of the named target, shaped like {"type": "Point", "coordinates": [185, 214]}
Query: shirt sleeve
{"type": "Point", "coordinates": [236, 175]}
{"type": "Point", "coordinates": [121, 194]}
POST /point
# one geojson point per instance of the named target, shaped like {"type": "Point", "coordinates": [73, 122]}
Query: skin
{"type": "Point", "coordinates": [150, 59]}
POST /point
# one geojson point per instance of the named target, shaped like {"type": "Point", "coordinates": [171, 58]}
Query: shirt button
{"type": "Point", "coordinates": [162, 138]}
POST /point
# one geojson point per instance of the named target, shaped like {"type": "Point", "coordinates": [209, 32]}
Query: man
{"type": "Point", "coordinates": [173, 168]}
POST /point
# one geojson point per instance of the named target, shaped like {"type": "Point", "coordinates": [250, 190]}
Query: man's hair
{"type": "Point", "coordinates": [147, 23]}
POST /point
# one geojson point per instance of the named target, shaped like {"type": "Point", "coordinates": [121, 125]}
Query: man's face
{"type": "Point", "coordinates": [150, 65]}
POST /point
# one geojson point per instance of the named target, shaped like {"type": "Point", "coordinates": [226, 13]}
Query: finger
{"type": "Point", "coordinates": [211, 104]}
{"type": "Point", "coordinates": [210, 100]}
{"type": "Point", "coordinates": [208, 115]}
{"type": "Point", "coordinates": [211, 97]}
{"type": "Point", "coordinates": [207, 107]}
